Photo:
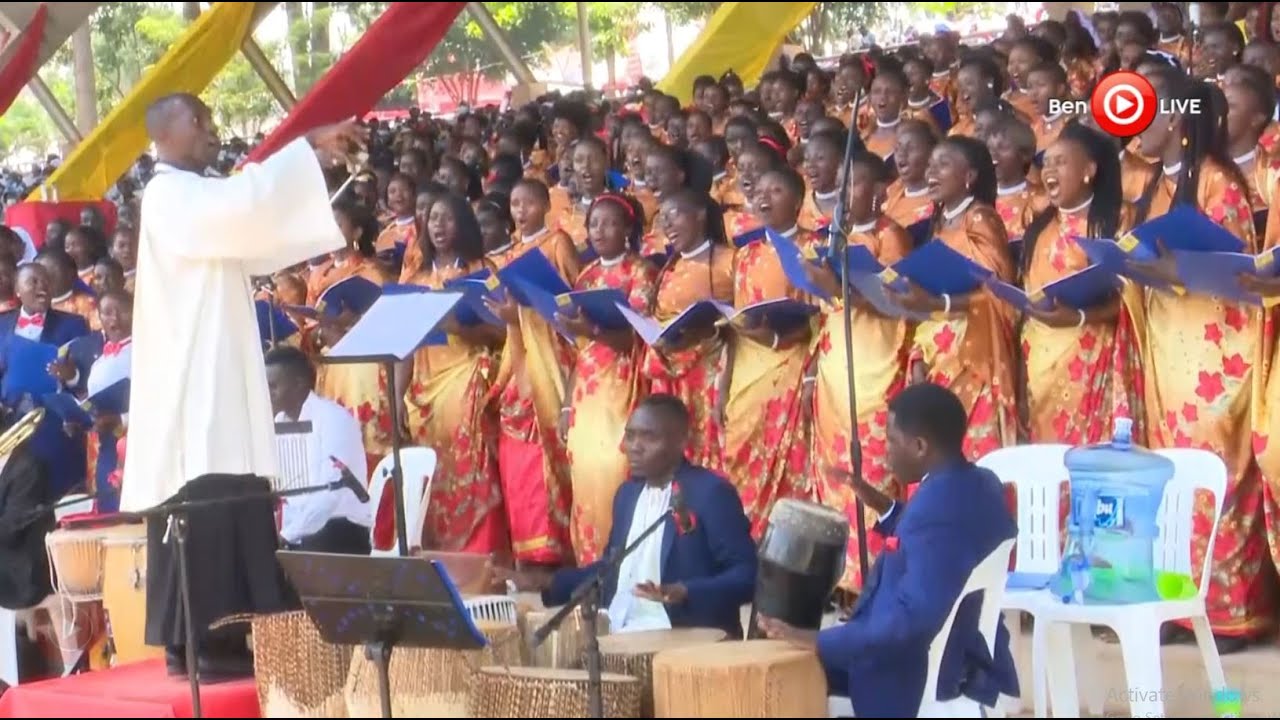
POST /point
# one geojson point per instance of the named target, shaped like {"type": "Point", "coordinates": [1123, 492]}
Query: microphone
{"type": "Point", "coordinates": [349, 480]}
{"type": "Point", "coordinates": [679, 512]}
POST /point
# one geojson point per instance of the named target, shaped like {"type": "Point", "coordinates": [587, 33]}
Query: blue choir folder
{"type": "Point", "coordinates": [748, 237]}
{"type": "Point", "coordinates": [1218, 273]}
{"type": "Point", "coordinates": [599, 307]}
{"type": "Point", "coordinates": [701, 314]}
{"type": "Point", "coordinates": [394, 254]}
{"type": "Point", "coordinates": [941, 112]}
{"type": "Point", "coordinates": [920, 232]}
{"type": "Point", "coordinates": [271, 317]}
{"type": "Point", "coordinates": [938, 270]}
{"type": "Point", "coordinates": [781, 316]}
{"type": "Point", "coordinates": [26, 367]}
{"type": "Point", "coordinates": [354, 294]}
{"type": "Point", "coordinates": [793, 260]}
{"type": "Point", "coordinates": [471, 310]}
{"type": "Point", "coordinates": [532, 269]}
{"type": "Point", "coordinates": [1082, 290]}
{"type": "Point", "coordinates": [111, 400]}
{"type": "Point", "coordinates": [402, 320]}
{"type": "Point", "coordinates": [1182, 228]}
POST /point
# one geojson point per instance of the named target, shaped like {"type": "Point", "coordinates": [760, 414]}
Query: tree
{"type": "Point", "coordinates": [613, 25]}
{"type": "Point", "coordinates": [26, 127]}
{"type": "Point", "coordinates": [241, 103]}
{"type": "Point", "coordinates": [687, 12]}
{"type": "Point", "coordinates": [127, 39]}
{"type": "Point", "coordinates": [826, 30]}
{"type": "Point", "coordinates": [465, 55]}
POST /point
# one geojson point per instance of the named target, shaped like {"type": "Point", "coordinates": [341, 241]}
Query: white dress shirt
{"type": "Point", "coordinates": [627, 612]}
{"type": "Point", "coordinates": [337, 434]}
{"type": "Point", "coordinates": [32, 330]}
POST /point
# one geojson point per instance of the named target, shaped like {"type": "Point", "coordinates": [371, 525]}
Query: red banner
{"type": "Point", "coordinates": [34, 217]}
{"type": "Point", "coordinates": [395, 44]}
{"type": "Point", "coordinates": [22, 67]}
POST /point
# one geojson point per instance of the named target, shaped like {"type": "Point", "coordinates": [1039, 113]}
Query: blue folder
{"type": "Point", "coordinates": [541, 302]}
{"type": "Point", "coordinates": [1080, 291]}
{"type": "Point", "coordinates": [532, 269]}
{"type": "Point", "coordinates": [782, 316]}
{"type": "Point", "coordinates": [938, 270]}
{"type": "Point", "coordinates": [1218, 274]}
{"type": "Point", "coordinates": [1115, 255]}
{"type": "Point", "coordinates": [941, 112]}
{"type": "Point", "coordinates": [26, 367]}
{"type": "Point", "coordinates": [749, 237]}
{"type": "Point", "coordinates": [271, 316]}
{"type": "Point", "coordinates": [111, 400]}
{"type": "Point", "coordinates": [393, 255]}
{"type": "Point", "coordinates": [1183, 228]}
{"type": "Point", "coordinates": [793, 260]}
{"type": "Point", "coordinates": [599, 307]}
{"type": "Point", "coordinates": [471, 310]}
{"type": "Point", "coordinates": [354, 294]}
{"type": "Point", "coordinates": [920, 231]}
{"type": "Point", "coordinates": [701, 314]}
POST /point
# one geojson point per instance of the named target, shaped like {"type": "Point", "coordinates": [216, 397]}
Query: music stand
{"type": "Point", "coordinates": [381, 603]}
{"type": "Point", "coordinates": [403, 319]}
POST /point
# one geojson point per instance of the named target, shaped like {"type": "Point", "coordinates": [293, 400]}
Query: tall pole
{"type": "Point", "coordinates": [584, 45]}
{"type": "Point", "coordinates": [499, 39]}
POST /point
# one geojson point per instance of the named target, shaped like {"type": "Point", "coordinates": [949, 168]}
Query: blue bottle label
{"type": "Point", "coordinates": [1109, 513]}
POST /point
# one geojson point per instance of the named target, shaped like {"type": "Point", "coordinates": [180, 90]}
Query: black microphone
{"type": "Point", "coordinates": [349, 480]}
{"type": "Point", "coordinates": [679, 512]}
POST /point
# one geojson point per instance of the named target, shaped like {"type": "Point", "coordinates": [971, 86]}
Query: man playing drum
{"type": "Point", "coordinates": [697, 572]}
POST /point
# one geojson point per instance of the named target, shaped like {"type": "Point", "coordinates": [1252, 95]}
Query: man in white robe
{"type": "Point", "coordinates": [200, 413]}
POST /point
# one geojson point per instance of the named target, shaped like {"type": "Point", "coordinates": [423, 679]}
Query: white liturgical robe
{"type": "Point", "coordinates": [199, 403]}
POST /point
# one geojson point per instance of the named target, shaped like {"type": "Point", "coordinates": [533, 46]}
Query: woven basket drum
{"type": "Point", "coordinates": [537, 692]}
{"type": "Point", "coordinates": [632, 654]}
{"type": "Point", "coordinates": [426, 682]}
{"type": "Point", "coordinates": [750, 679]}
{"type": "Point", "coordinates": [563, 648]}
{"type": "Point", "coordinates": [298, 675]}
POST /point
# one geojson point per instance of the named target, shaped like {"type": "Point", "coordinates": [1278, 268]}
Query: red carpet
{"type": "Point", "coordinates": [138, 690]}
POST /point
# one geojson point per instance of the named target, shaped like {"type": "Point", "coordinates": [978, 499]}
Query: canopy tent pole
{"type": "Point", "coordinates": [59, 114]}
{"type": "Point", "coordinates": [262, 66]}
{"type": "Point", "coordinates": [499, 39]}
{"type": "Point", "coordinates": [584, 45]}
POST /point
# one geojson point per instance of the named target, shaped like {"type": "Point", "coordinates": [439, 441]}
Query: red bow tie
{"type": "Point", "coordinates": [112, 349]}
{"type": "Point", "coordinates": [32, 320]}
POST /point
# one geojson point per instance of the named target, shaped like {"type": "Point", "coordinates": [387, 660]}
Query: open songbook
{"type": "Point", "coordinates": [599, 307]}
{"type": "Point", "coordinates": [111, 400]}
{"type": "Point", "coordinates": [1079, 291]}
{"type": "Point", "coordinates": [354, 294]}
{"type": "Point", "coordinates": [700, 315]}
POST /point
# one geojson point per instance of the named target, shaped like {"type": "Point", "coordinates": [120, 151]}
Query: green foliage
{"type": "Point", "coordinates": [528, 25]}
{"type": "Point", "coordinates": [953, 10]}
{"type": "Point", "coordinates": [129, 37]}
{"type": "Point", "coordinates": [26, 126]}
{"type": "Point", "coordinates": [828, 28]}
{"type": "Point", "coordinates": [687, 12]}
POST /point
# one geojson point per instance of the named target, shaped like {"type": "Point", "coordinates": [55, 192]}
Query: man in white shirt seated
{"type": "Point", "coordinates": [332, 521]}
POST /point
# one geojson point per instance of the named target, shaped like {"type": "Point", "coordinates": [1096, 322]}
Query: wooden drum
{"type": "Point", "coordinates": [124, 592]}
{"type": "Point", "coordinates": [549, 693]}
{"type": "Point", "coordinates": [753, 679]}
{"type": "Point", "coordinates": [298, 674]}
{"type": "Point", "coordinates": [76, 557]}
{"type": "Point", "coordinates": [426, 682]}
{"type": "Point", "coordinates": [564, 647]}
{"type": "Point", "coordinates": [632, 654]}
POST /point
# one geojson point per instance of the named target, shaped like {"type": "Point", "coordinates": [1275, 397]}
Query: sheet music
{"type": "Point", "coordinates": [396, 325]}
{"type": "Point", "coordinates": [296, 448]}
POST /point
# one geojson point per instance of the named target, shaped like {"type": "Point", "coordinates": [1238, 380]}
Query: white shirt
{"type": "Point", "coordinates": [628, 613]}
{"type": "Point", "coordinates": [337, 434]}
{"type": "Point", "coordinates": [204, 406]}
{"type": "Point", "coordinates": [32, 331]}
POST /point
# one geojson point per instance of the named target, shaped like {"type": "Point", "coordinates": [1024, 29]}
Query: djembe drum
{"type": "Point", "coordinates": [632, 654]}
{"type": "Point", "coordinates": [753, 679]}
{"type": "Point", "coordinates": [565, 645]}
{"type": "Point", "coordinates": [537, 692]}
{"type": "Point", "coordinates": [77, 559]}
{"type": "Point", "coordinates": [297, 673]}
{"type": "Point", "coordinates": [124, 592]}
{"type": "Point", "coordinates": [429, 682]}
{"type": "Point", "coordinates": [801, 559]}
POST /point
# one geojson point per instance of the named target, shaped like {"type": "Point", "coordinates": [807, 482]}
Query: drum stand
{"type": "Point", "coordinates": [589, 596]}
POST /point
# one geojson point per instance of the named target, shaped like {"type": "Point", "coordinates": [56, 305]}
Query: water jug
{"type": "Point", "coordinates": [1116, 489]}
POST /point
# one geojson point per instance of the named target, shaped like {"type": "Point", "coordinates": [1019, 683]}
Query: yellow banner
{"type": "Point", "coordinates": [742, 37]}
{"type": "Point", "coordinates": [189, 66]}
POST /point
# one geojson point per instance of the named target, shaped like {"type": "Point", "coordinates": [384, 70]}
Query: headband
{"type": "Point", "coordinates": [617, 200]}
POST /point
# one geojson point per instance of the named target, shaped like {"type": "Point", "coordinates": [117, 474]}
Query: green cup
{"type": "Point", "coordinates": [1175, 586]}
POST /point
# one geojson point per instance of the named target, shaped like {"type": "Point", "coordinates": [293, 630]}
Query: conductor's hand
{"type": "Point", "coordinates": [337, 143]}
{"type": "Point", "coordinates": [778, 630]}
{"type": "Point", "coordinates": [525, 580]}
{"type": "Point", "coordinates": [672, 594]}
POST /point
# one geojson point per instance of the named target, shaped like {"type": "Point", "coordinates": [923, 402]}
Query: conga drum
{"type": "Point", "coordinates": [753, 679]}
{"type": "Point", "coordinates": [535, 692]}
{"type": "Point", "coordinates": [802, 558]}
{"type": "Point", "coordinates": [563, 648]}
{"type": "Point", "coordinates": [76, 558]}
{"type": "Point", "coordinates": [124, 593]}
{"type": "Point", "coordinates": [429, 682]}
{"type": "Point", "coordinates": [297, 673]}
{"type": "Point", "coordinates": [632, 654]}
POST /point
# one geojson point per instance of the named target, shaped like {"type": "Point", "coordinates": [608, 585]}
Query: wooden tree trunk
{"type": "Point", "coordinates": [298, 41]}
{"type": "Point", "coordinates": [190, 11]}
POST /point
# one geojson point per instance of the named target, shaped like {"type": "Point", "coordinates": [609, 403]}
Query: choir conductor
{"type": "Point", "coordinates": [200, 405]}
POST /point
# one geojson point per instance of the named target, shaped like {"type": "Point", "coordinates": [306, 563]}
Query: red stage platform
{"type": "Point", "coordinates": [138, 690]}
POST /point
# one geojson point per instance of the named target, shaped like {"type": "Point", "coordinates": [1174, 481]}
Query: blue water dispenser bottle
{"type": "Point", "coordinates": [1116, 489]}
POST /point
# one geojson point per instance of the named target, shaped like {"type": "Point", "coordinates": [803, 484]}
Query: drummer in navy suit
{"type": "Point", "coordinates": [955, 519]}
{"type": "Point", "coordinates": [20, 391]}
{"type": "Point", "coordinates": [695, 572]}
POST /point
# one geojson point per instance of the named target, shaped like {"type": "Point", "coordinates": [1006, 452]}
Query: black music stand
{"type": "Point", "coordinates": [402, 320]}
{"type": "Point", "coordinates": [381, 603]}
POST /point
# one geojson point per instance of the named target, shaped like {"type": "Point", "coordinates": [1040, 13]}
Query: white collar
{"type": "Point", "coordinates": [720, 175]}
{"type": "Point", "coordinates": [63, 297]}
{"type": "Point", "coordinates": [826, 195]}
{"type": "Point", "coordinates": [1048, 119]}
{"type": "Point", "coordinates": [533, 237]}
{"type": "Point", "coordinates": [1076, 209]}
{"type": "Point", "coordinates": [402, 221]}
{"type": "Point", "coordinates": [610, 262]}
{"type": "Point", "coordinates": [919, 103]}
{"type": "Point", "coordinates": [1012, 189]}
{"type": "Point", "coordinates": [864, 227]}
{"type": "Point", "coordinates": [790, 233]}
{"type": "Point", "coordinates": [457, 263]}
{"type": "Point", "coordinates": [953, 214]}
{"type": "Point", "coordinates": [500, 250]}
{"type": "Point", "coordinates": [908, 192]}
{"type": "Point", "coordinates": [705, 246]}
{"type": "Point", "coordinates": [892, 123]}
{"type": "Point", "coordinates": [942, 73]}
{"type": "Point", "coordinates": [1171, 38]}
{"type": "Point", "coordinates": [1174, 169]}
{"type": "Point", "coordinates": [1246, 158]}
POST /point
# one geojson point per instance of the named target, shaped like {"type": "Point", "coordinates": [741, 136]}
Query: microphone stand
{"type": "Point", "coordinates": [838, 241]}
{"type": "Point", "coordinates": [589, 595]}
{"type": "Point", "coordinates": [175, 515]}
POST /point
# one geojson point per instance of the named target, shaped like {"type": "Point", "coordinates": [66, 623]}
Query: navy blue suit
{"type": "Point", "coordinates": [715, 560]}
{"type": "Point", "coordinates": [63, 456]}
{"type": "Point", "coordinates": [880, 657]}
{"type": "Point", "coordinates": [83, 352]}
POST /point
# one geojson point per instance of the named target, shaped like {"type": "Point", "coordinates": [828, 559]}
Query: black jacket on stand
{"type": "Point", "coordinates": [24, 562]}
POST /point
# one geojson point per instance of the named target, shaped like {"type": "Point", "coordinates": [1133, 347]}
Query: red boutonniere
{"type": "Point", "coordinates": [686, 521]}
{"type": "Point", "coordinates": [891, 543]}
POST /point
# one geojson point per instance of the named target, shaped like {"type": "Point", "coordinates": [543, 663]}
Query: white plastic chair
{"type": "Point", "coordinates": [492, 609]}
{"type": "Point", "coordinates": [1137, 625]}
{"type": "Point", "coordinates": [418, 464]}
{"type": "Point", "coordinates": [989, 578]}
{"type": "Point", "coordinates": [1037, 473]}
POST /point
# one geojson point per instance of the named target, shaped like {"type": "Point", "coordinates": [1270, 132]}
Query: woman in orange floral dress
{"type": "Point", "coordinates": [967, 344]}
{"type": "Point", "coordinates": [907, 199]}
{"type": "Point", "coordinates": [606, 381]}
{"type": "Point", "coordinates": [695, 367]}
{"type": "Point", "coordinates": [445, 397]}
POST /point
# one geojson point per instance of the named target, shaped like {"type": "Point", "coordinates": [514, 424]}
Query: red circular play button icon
{"type": "Point", "coordinates": [1123, 104]}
